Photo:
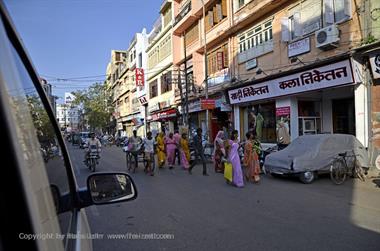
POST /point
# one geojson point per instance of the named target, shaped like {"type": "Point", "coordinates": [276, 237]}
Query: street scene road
{"type": "Point", "coordinates": [196, 212]}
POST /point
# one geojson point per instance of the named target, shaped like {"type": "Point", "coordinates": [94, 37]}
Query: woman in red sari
{"type": "Point", "coordinates": [251, 159]}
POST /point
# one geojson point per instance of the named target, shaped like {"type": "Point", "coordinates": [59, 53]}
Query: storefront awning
{"type": "Point", "coordinates": [164, 115]}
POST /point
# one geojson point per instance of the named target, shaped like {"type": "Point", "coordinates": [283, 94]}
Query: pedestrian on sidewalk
{"type": "Point", "coordinates": [219, 152]}
{"type": "Point", "coordinates": [234, 159]}
{"type": "Point", "coordinates": [149, 153]}
{"type": "Point", "coordinates": [177, 155]}
{"type": "Point", "coordinates": [199, 152]}
{"type": "Point", "coordinates": [170, 149]}
{"type": "Point", "coordinates": [161, 149]}
{"type": "Point", "coordinates": [184, 151]}
{"type": "Point", "coordinates": [251, 159]}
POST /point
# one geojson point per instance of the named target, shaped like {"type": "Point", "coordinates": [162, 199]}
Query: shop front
{"type": "Point", "coordinates": [322, 99]}
{"type": "Point", "coordinates": [163, 120]}
{"type": "Point", "coordinates": [220, 115]}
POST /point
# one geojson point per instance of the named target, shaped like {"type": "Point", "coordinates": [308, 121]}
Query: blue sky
{"type": "Point", "coordinates": [74, 38]}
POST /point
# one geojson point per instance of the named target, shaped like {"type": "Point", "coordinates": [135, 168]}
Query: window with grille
{"type": "Point", "coordinates": [166, 82]}
{"type": "Point", "coordinates": [256, 36]}
{"type": "Point", "coordinates": [153, 89]}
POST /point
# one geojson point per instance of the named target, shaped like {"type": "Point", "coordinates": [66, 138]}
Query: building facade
{"type": "Point", "coordinates": [162, 110]}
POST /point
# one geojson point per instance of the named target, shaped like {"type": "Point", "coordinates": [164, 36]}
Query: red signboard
{"type": "Point", "coordinates": [282, 111]}
{"type": "Point", "coordinates": [139, 77]}
{"type": "Point", "coordinates": [207, 104]}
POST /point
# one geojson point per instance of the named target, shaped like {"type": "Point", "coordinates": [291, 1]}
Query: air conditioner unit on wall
{"type": "Point", "coordinates": [327, 38]}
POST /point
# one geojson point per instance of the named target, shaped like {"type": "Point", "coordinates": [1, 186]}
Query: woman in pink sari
{"type": "Point", "coordinates": [171, 145]}
{"type": "Point", "coordinates": [234, 158]}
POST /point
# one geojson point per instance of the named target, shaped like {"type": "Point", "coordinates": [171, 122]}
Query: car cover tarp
{"type": "Point", "coordinates": [316, 152]}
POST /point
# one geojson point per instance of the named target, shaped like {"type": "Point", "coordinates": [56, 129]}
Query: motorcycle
{"type": "Point", "coordinates": [93, 158]}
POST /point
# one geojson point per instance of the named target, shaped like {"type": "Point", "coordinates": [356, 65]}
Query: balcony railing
{"type": "Point", "coordinates": [185, 9]}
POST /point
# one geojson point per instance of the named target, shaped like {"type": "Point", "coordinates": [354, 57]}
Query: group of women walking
{"type": "Point", "coordinates": [167, 146]}
{"type": "Point", "coordinates": [226, 157]}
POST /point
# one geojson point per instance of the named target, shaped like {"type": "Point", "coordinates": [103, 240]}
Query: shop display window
{"type": "Point", "coordinates": [262, 121]}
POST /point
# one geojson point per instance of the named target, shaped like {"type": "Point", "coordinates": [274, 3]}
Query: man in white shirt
{"type": "Point", "coordinates": [92, 142]}
{"type": "Point", "coordinates": [149, 153]}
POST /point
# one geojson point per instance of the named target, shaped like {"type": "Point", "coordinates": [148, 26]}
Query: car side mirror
{"type": "Point", "coordinates": [107, 188]}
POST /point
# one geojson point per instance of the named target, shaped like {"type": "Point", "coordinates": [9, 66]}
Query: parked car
{"type": "Point", "coordinates": [41, 204]}
{"type": "Point", "coordinates": [309, 155]}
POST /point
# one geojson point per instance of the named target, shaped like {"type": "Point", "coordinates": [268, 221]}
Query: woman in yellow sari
{"type": "Point", "coordinates": [184, 151]}
{"type": "Point", "coordinates": [161, 149]}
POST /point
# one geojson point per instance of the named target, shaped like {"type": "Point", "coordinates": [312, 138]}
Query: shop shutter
{"type": "Point", "coordinates": [285, 29]}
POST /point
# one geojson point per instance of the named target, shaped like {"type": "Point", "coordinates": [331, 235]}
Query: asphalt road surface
{"type": "Point", "coordinates": [196, 212]}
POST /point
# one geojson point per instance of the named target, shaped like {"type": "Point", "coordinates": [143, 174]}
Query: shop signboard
{"type": "Point", "coordinates": [143, 100]}
{"type": "Point", "coordinates": [207, 104]}
{"type": "Point", "coordinates": [327, 76]}
{"type": "Point", "coordinates": [218, 77]}
{"type": "Point", "coordinates": [195, 106]}
{"type": "Point", "coordinates": [374, 59]}
{"type": "Point", "coordinates": [299, 47]}
{"type": "Point", "coordinates": [251, 64]}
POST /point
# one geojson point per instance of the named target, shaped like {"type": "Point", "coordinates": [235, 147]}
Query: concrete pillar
{"type": "Point", "coordinates": [237, 118]}
{"type": "Point", "coordinates": [361, 114]}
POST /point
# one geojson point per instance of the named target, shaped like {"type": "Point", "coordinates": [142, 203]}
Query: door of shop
{"type": "Point", "coordinates": [344, 116]}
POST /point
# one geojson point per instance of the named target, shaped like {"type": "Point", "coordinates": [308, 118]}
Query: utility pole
{"type": "Point", "coordinates": [186, 85]}
{"type": "Point", "coordinates": [206, 70]}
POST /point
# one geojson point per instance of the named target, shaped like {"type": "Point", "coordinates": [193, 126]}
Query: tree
{"type": "Point", "coordinates": [96, 105]}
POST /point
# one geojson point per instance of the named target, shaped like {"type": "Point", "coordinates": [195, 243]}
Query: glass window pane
{"type": "Point", "coordinates": [38, 139]}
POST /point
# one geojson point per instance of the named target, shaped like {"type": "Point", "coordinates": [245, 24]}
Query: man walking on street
{"type": "Point", "coordinates": [199, 152]}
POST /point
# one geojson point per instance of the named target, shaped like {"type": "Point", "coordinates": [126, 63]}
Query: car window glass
{"type": "Point", "coordinates": [38, 141]}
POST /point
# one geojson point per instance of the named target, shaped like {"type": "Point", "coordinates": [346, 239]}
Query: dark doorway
{"type": "Point", "coordinates": [344, 116]}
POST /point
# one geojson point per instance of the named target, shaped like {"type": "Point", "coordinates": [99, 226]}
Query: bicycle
{"type": "Point", "coordinates": [344, 165]}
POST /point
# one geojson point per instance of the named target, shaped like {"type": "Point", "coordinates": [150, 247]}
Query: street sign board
{"type": "Point", "coordinates": [208, 104]}
{"type": "Point", "coordinates": [139, 72]}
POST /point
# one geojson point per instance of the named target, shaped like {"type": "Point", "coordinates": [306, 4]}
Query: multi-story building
{"type": "Point", "coordinates": [127, 96]}
{"type": "Point", "coordinates": [200, 35]}
{"type": "Point", "coordinates": [69, 116]}
{"type": "Point", "coordinates": [272, 61]}
{"type": "Point", "coordinates": [115, 67]}
{"type": "Point", "coordinates": [137, 62]}
{"type": "Point", "coordinates": [294, 60]}
{"type": "Point", "coordinates": [161, 108]}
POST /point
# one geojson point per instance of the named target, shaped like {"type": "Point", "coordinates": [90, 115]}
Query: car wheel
{"type": "Point", "coordinates": [307, 177]}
